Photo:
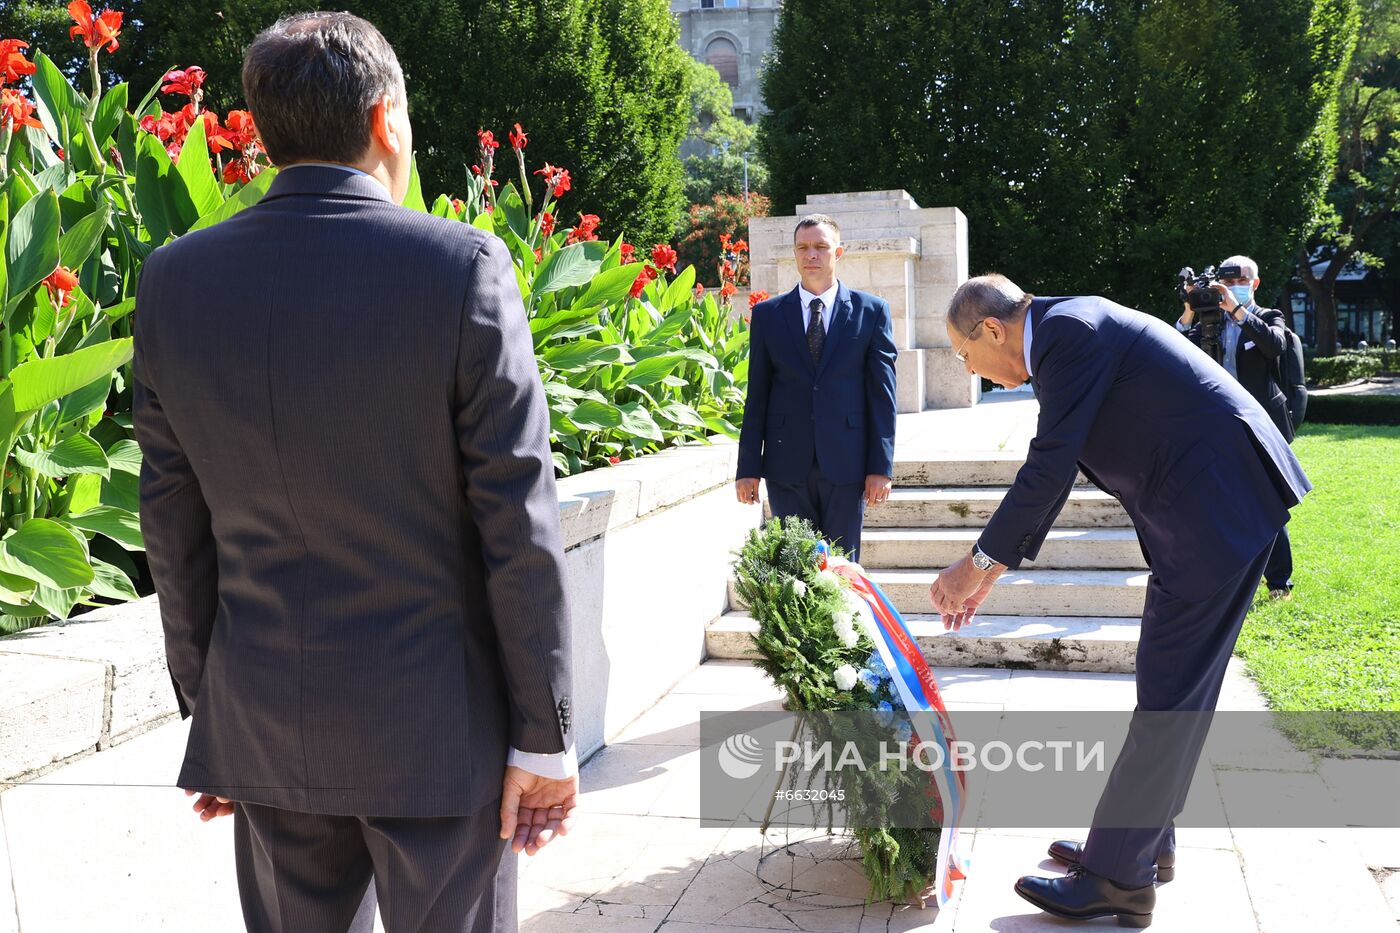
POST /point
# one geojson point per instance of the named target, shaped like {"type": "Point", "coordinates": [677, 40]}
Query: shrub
{"type": "Point", "coordinates": [725, 215]}
{"type": "Point", "coordinates": [1354, 409]}
{"type": "Point", "coordinates": [1349, 366]}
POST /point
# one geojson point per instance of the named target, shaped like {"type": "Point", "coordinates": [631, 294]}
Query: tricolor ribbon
{"type": "Point", "coordinates": [918, 691]}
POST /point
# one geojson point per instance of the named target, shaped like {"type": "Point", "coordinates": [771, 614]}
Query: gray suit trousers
{"type": "Point", "coordinates": [310, 873]}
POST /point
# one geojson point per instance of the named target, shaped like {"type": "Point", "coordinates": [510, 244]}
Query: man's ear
{"type": "Point", "coordinates": [381, 124]}
{"type": "Point", "coordinates": [840, 251]}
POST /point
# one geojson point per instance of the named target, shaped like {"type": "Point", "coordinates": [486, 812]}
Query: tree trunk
{"type": "Point", "coordinates": [1323, 292]}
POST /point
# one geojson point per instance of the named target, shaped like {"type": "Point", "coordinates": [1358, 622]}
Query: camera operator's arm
{"type": "Point", "coordinates": [1266, 328]}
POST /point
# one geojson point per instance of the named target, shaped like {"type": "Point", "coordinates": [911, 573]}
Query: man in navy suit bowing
{"type": "Point", "coordinates": [820, 413]}
{"type": "Point", "coordinates": [1208, 481]}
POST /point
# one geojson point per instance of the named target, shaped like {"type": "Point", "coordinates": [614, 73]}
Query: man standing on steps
{"type": "Point", "coordinates": [820, 413]}
{"type": "Point", "coordinates": [1208, 481]}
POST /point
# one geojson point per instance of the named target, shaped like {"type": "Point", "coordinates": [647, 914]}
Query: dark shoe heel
{"type": "Point", "coordinates": [1166, 874]}
{"type": "Point", "coordinates": [1135, 921]}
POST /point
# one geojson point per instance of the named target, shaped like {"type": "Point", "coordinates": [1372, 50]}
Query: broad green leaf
{"type": "Point", "coordinates": [678, 413]}
{"type": "Point", "coordinates": [91, 397]}
{"type": "Point", "coordinates": [595, 416]}
{"type": "Point", "coordinates": [582, 354]}
{"type": "Point", "coordinates": [483, 221]}
{"type": "Point", "coordinates": [610, 287]}
{"type": "Point", "coordinates": [442, 207]}
{"type": "Point", "coordinates": [721, 426]}
{"type": "Point", "coordinates": [516, 218]}
{"type": "Point", "coordinates": [58, 602]}
{"type": "Point", "coordinates": [4, 261]}
{"type": "Point", "coordinates": [48, 552]}
{"type": "Point", "coordinates": [78, 242]}
{"type": "Point", "coordinates": [126, 457]}
{"type": "Point", "coordinates": [111, 582]}
{"type": "Point", "coordinates": [122, 491]}
{"type": "Point", "coordinates": [76, 454]}
{"type": "Point", "coordinates": [638, 422]}
{"type": "Point", "coordinates": [650, 371]}
{"type": "Point", "coordinates": [109, 112]}
{"type": "Point", "coordinates": [118, 311]}
{"type": "Point", "coordinates": [83, 492]}
{"type": "Point", "coordinates": [161, 193]}
{"type": "Point", "coordinates": [60, 106]}
{"type": "Point", "coordinates": [413, 197]}
{"type": "Point", "coordinates": [121, 525]}
{"type": "Point", "coordinates": [672, 325]}
{"type": "Point", "coordinates": [15, 588]}
{"type": "Point", "coordinates": [197, 173]}
{"type": "Point", "coordinates": [31, 249]}
{"type": "Point", "coordinates": [247, 196]}
{"type": "Point", "coordinates": [41, 381]}
{"type": "Point", "coordinates": [567, 268]}
{"type": "Point", "coordinates": [679, 289]}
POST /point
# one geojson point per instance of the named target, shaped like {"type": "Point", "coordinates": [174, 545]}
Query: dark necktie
{"type": "Point", "coordinates": [816, 334]}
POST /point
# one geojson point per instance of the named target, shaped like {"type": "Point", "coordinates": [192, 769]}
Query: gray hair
{"type": "Point", "coordinates": [985, 296]}
{"type": "Point", "coordinates": [311, 80]}
{"type": "Point", "coordinates": [1248, 266]}
{"type": "Point", "coordinates": [818, 220]}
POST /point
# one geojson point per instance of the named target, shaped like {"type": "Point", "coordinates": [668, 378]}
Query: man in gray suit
{"type": "Point", "coordinates": [349, 507]}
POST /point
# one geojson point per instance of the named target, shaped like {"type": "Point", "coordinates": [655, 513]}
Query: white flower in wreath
{"type": "Point", "coordinates": [846, 632]}
{"type": "Point", "coordinates": [828, 580]}
{"type": "Point", "coordinates": [845, 676]}
{"type": "Point", "coordinates": [799, 588]}
{"type": "Point", "coordinates": [842, 619]}
{"type": "Point", "coordinates": [853, 601]}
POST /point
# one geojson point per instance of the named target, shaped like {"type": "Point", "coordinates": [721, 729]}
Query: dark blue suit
{"type": "Point", "coordinates": [1208, 481]}
{"type": "Point", "coordinates": [815, 431]}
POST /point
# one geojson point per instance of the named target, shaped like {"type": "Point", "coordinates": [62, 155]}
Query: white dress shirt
{"type": "Point", "coordinates": [828, 298]}
{"type": "Point", "coordinates": [558, 765]}
{"type": "Point", "coordinates": [1026, 343]}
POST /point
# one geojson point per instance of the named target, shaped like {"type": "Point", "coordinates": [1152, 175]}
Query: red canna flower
{"type": "Point", "coordinates": [741, 246]}
{"type": "Point", "coordinates": [726, 270]}
{"type": "Point", "coordinates": [476, 169]}
{"type": "Point", "coordinates": [727, 290]}
{"type": "Point", "coordinates": [539, 253]}
{"type": "Point", "coordinates": [13, 64]}
{"type": "Point", "coordinates": [724, 241]}
{"type": "Point", "coordinates": [585, 230]}
{"type": "Point", "coordinates": [95, 32]}
{"type": "Point", "coordinates": [241, 131]}
{"type": "Point", "coordinates": [458, 204]}
{"type": "Point", "coordinates": [644, 279]}
{"type": "Point", "coordinates": [17, 111]}
{"type": "Point", "coordinates": [756, 297]}
{"type": "Point", "coordinates": [629, 254]}
{"type": "Point", "coordinates": [487, 139]}
{"type": "Point", "coordinates": [518, 139]}
{"type": "Point", "coordinates": [186, 81]}
{"type": "Point", "coordinates": [546, 223]}
{"type": "Point", "coordinates": [60, 284]}
{"type": "Point", "coordinates": [699, 291]}
{"type": "Point", "coordinates": [664, 257]}
{"type": "Point", "coordinates": [556, 178]}
{"type": "Point", "coordinates": [236, 170]}
{"type": "Point", "coordinates": [59, 151]}
{"type": "Point", "coordinates": [214, 134]}
{"type": "Point", "coordinates": [614, 459]}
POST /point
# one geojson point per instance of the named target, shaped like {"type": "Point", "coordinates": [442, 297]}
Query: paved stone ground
{"type": "Point", "coordinates": [107, 844]}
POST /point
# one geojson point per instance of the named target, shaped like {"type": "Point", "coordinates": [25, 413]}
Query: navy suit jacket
{"type": "Point", "coordinates": [1197, 463]}
{"type": "Point", "coordinates": [840, 411]}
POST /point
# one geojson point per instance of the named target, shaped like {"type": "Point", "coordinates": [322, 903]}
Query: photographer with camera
{"type": "Point", "coordinates": [1220, 316]}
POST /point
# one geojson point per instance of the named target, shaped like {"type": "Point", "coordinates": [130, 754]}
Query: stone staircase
{"type": "Point", "coordinates": [1077, 607]}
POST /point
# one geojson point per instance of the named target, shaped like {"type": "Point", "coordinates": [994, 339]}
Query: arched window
{"type": "Point", "coordinates": [721, 55]}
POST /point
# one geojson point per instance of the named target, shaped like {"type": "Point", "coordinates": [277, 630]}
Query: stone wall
{"type": "Point", "coordinates": [912, 257]}
{"type": "Point", "coordinates": [648, 547]}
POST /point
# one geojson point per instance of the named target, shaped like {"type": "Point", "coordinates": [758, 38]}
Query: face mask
{"type": "Point", "coordinates": [1241, 293]}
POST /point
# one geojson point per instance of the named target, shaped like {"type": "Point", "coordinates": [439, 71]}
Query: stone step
{"type": "Point", "coordinates": [972, 506]}
{"type": "Point", "coordinates": [1041, 593]}
{"type": "Point", "coordinates": [1052, 643]}
{"type": "Point", "coordinates": [1064, 548]}
{"type": "Point", "coordinates": [945, 468]}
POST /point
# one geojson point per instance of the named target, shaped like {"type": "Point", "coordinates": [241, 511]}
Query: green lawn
{"type": "Point", "coordinates": [1336, 645]}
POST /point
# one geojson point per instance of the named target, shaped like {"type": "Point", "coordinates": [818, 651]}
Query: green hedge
{"type": "Point", "coordinates": [1354, 409]}
{"type": "Point", "coordinates": [1350, 365]}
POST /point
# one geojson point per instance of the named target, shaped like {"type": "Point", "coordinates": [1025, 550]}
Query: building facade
{"type": "Point", "coordinates": [733, 36]}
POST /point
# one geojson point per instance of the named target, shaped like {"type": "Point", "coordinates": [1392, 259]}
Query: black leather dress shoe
{"type": "Point", "coordinates": [1068, 853]}
{"type": "Point", "coordinates": [1083, 895]}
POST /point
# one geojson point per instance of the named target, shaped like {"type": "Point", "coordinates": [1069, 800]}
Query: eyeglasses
{"type": "Point", "coordinates": [959, 354]}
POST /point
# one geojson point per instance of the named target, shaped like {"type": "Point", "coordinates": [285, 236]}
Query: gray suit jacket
{"type": "Point", "coordinates": [349, 506]}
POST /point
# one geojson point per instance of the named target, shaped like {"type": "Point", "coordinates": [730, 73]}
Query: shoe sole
{"type": "Point", "coordinates": [1132, 921]}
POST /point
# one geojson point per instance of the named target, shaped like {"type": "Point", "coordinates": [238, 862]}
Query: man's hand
{"type": "Point", "coordinates": [210, 807]}
{"type": "Point", "coordinates": [960, 590]}
{"type": "Point", "coordinates": [877, 488]}
{"type": "Point", "coordinates": [1227, 297]}
{"type": "Point", "coordinates": [746, 488]}
{"type": "Point", "coordinates": [535, 809]}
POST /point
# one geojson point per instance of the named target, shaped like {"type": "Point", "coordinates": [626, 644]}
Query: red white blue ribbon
{"type": "Point", "coordinates": [913, 680]}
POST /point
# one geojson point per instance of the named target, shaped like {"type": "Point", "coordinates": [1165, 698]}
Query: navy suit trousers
{"type": "Point", "coordinates": [835, 510]}
{"type": "Point", "coordinates": [1183, 650]}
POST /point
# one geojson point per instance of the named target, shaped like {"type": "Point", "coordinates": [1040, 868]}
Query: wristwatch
{"type": "Point", "coordinates": [980, 560]}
